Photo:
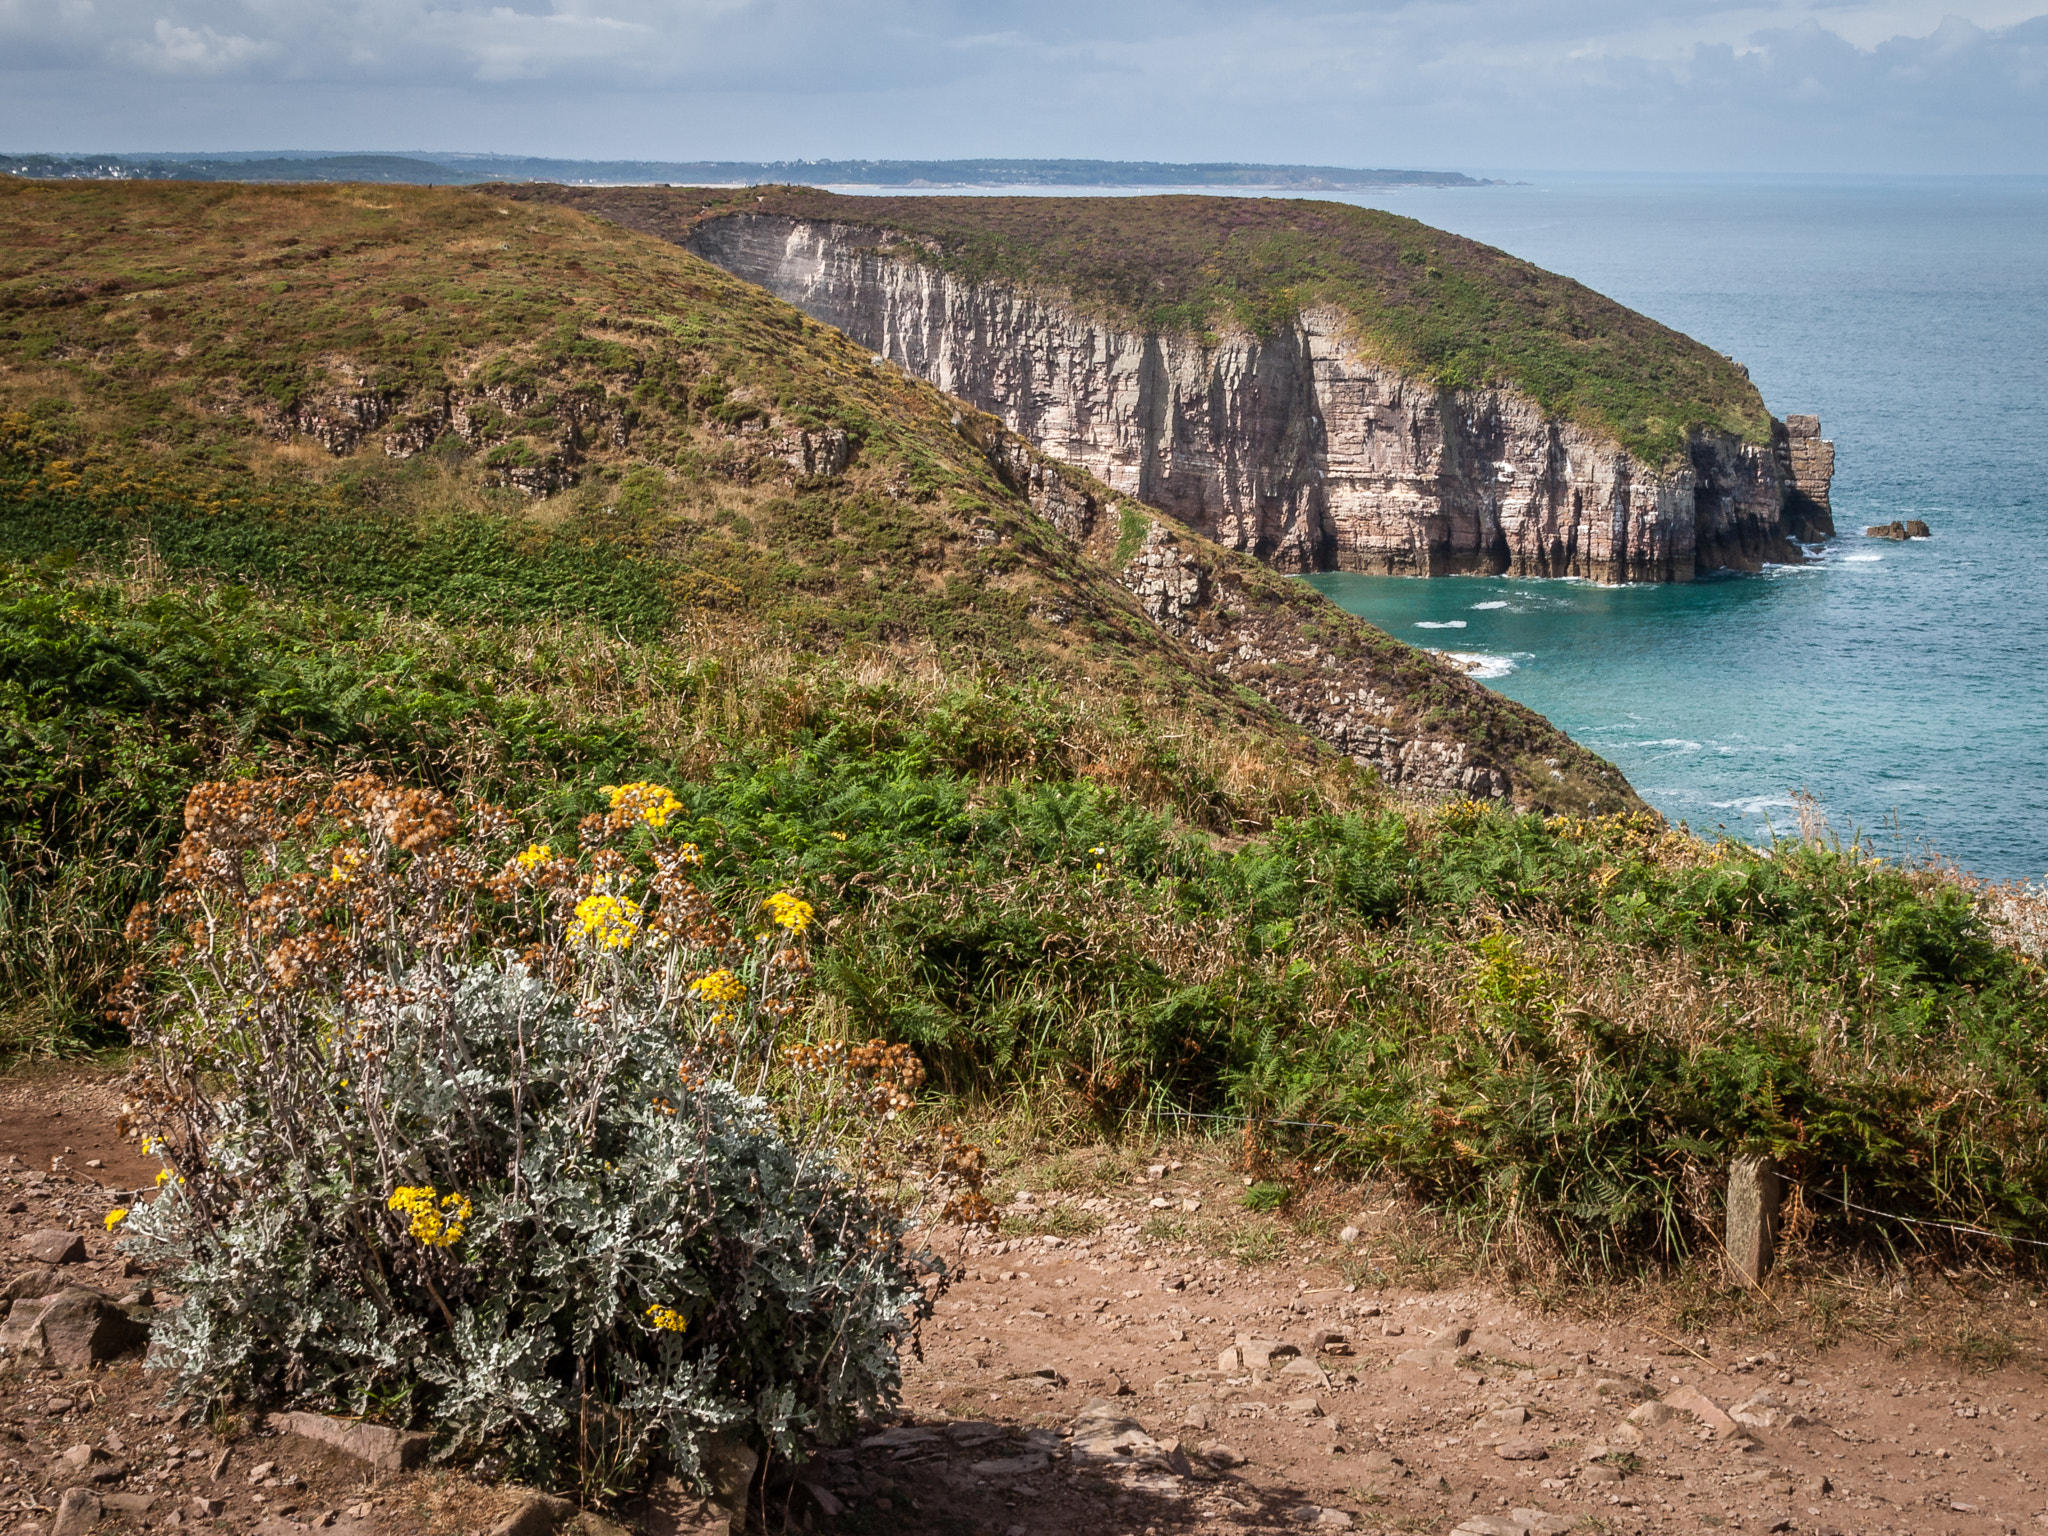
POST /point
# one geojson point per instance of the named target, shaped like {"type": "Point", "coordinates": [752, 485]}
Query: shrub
{"type": "Point", "coordinates": [481, 1141]}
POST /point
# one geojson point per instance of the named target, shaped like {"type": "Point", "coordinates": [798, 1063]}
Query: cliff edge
{"type": "Point", "coordinates": [1321, 386]}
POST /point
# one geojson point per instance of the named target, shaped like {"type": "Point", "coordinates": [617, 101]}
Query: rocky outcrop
{"type": "Point", "coordinates": [1297, 446]}
{"type": "Point", "coordinates": [533, 439]}
{"type": "Point", "coordinates": [1413, 718]}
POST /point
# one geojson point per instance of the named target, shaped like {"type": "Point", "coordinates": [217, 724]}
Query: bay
{"type": "Point", "coordinates": [1905, 687]}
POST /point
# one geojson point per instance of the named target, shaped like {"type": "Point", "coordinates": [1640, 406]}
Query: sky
{"type": "Point", "coordinates": [1478, 86]}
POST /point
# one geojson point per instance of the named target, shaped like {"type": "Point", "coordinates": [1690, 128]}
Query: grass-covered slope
{"type": "Point", "coordinates": [1073, 864]}
{"type": "Point", "coordinates": [1433, 304]}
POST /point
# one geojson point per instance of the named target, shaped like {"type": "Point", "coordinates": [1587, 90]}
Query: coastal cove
{"type": "Point", "coordinates": [1904, 686]}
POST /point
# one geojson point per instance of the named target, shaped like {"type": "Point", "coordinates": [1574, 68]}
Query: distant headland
{"type": "Point", "coordinates": [432, 169]}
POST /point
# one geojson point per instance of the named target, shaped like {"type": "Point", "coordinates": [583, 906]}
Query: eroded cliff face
{"type": "Point", "coordinates": [1296, 447]}
{"type": "Point", "coordinates": [1423, 726]}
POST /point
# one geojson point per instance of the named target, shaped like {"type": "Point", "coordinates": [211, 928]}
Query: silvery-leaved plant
{"type": "Point", "coordinates": [516, 1143]}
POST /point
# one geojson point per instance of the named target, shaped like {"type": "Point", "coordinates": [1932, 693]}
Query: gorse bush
{"type": "Point", "coordinates": [464, 1131]}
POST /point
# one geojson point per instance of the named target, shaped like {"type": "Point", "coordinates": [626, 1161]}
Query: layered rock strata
{"type": "Point", "coordinates": [1297, 447]}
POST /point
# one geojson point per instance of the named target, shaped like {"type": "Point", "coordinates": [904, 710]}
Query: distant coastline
{"type": "Point", "coordinates": [436, 169]}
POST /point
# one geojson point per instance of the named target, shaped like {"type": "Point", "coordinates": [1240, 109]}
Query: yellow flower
{"type": "Point", "coordinates": [163, 1175]}
{"type": "Point", "coordinates": [718, 987]}
{"type": "Point", "coordinates": [667, 1319]}
{"type": "Point", "coordinates": [651, 803]}
{"type": "Point", "coordinates": [437, 1220]}
{"type": "Point", "coordinates": [536, 855]}
{"type": "Point", "coordinates": [346, 862]}
{"type": "Point", "coordinates": [791, 912]}
{"type": "Point", "coordinates": [116, 1216]}
{"type": "Point", "coordinates": [608, 921]}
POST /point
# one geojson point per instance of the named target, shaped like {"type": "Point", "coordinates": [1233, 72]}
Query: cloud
{"type": "Point", "coordinates": [1619, 84]}
{"type": "Point", "coordinates": [172, 49]}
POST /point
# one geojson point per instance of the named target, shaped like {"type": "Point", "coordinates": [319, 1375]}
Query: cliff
{"type": "Point", "coordinates": [1295, 431]}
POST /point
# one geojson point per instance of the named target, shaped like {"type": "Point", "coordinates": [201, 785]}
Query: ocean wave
{"type": "Point", "coordinates": [1474, 664]}
{"type": "Point", "coordinates": [1482, 607]}
{"type": "Point", "coordinates": [1672, 741]}
{"type": "Point", "coordinates": [1861, 559]}
{"type": "Point", "coordinates": [1439, 624]}
{"type": "Point", "coordinates": [1756, 805]}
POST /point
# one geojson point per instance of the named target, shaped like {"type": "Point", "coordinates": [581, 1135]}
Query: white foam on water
{"type": "Point", "coordinates": [1474, 664]}
{"type": "Point", "coordinates": [1756, 805]}
{"type": "Point", "coordinates": [1444, 624]}
{"type": "Point", "coordinates": [1482, 607]}
{"type": "Point", "coordinates": [1672, 741]}
{"type": "Point", "coordinates": [1861, 559]}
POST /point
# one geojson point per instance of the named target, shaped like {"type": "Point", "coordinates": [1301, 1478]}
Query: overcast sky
{"type": "Point", "coordinates": [1621, 85]}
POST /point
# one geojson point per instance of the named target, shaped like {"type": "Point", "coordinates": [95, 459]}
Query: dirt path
{"type": "Point", "coordinates": [1122, 1379]}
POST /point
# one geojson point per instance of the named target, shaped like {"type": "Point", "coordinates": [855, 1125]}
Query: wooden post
{"type": "Point", "coordinates": [1753, 1191]}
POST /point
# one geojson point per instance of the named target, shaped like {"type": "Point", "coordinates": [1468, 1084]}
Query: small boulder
{"type": "Point", "coordinates": [74, 1461]}
{"type": "Point", "coordinates": [729, 1465]}
{"type": "Point", "coordinates": [1651, 1415]}
{"type": "Point", "coordinates": [54, 1247]}
{"type": "Point", "coordinates": [76, 1327]}
{"type": "Point", "coordinates": [1691, 1400]}
{"type": "Point", "coordinates": [1915, 529]}
{"type": "Point", "coordinates": [1521, 1450]}
{"type": "Point", "coordinates": [1320, 1515]}
{"type": "Point", "coordinates": [537, 1515]}
{"type": "Point", "coordinates": [30, 1284]}
{"type": "Point", "coordinates": [1489, 1525]}
{"type": "Point", "coordinates": [77, 1512]}
{"type": "Point", "coordinates": [386, 1450]}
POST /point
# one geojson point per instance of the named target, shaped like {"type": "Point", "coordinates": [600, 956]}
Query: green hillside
{"type": "Point", "coordinates": [1436, 305]}
{"type": "Point", "coordinates": [272, 465]}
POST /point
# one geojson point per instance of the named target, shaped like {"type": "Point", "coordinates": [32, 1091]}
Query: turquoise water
{"type": "Point", "coordinates": [1904, 686]}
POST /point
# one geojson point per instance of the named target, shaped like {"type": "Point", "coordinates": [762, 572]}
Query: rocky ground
{"type": "Point", "coordinates": [1135, 1354]}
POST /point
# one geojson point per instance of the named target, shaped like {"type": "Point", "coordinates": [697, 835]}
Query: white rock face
{"type": "Point", "coordinates": [1298, 448]}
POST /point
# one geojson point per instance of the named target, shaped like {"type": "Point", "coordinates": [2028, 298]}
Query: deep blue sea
{"type": "Point", "coordinates": [1905, 687]}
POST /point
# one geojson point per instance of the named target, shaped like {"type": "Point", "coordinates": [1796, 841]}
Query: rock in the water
{"type": "Point", "coordinates": [54, 1247]}
{"type": "Point", "coordinates": [1915, 529]}
{"type": "Point", "coordinates": [1885, 531]}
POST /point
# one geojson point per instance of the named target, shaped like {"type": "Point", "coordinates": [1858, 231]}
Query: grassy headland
{"type": "Point", "coordinates": [1051, 850]}
{"type": "Point", "coordinates": [1443, 308]}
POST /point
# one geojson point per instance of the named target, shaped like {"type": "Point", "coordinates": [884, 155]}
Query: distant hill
{"type": "Point", "coordinates": [424, 169]}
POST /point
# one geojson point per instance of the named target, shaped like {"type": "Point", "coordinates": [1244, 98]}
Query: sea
{"type": "Point", "coordinates": [1902, 689]}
